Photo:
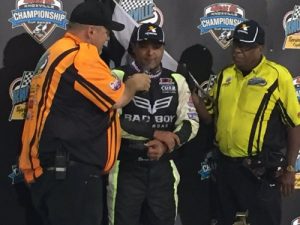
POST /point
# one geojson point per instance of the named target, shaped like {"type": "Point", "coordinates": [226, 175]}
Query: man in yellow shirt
{"type": "Point", "coordinates": [257, 115]}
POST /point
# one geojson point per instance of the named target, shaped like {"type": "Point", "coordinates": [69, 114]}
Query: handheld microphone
{"type": "Point", "coordinates": [146, 71]}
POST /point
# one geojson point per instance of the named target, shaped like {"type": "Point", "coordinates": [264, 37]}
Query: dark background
{"type": "Point", "coordinates": [181, 19]}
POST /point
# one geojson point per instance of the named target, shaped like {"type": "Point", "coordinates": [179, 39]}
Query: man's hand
{"type": "Point", "coordinates": [134, 83]}
{"type": "Point", "coordinates": [156, 149]}
{"type": "Point", "coordinates": [141, 81]}
{"type": "Point", "coordinates": [287, 180]}
{"type": "Point", "coordinates": [168, 138]}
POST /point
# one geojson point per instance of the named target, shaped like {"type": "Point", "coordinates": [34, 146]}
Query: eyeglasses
{"type": "Point", "coordinates": [244, 47]}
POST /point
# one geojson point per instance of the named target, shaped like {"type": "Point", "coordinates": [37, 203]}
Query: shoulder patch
{"type": "Point", "coordinates": [116, 84]}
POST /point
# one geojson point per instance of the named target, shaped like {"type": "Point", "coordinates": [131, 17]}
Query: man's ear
{"type": "Point", "coordinates": [90, 30]}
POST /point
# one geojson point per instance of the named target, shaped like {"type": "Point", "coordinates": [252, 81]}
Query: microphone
{"type": "Point", "coordinates": [146, 70]}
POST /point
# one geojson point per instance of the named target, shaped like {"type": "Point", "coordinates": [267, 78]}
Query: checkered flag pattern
{"type": "Point", "coordinates": [26, 78]}
{"type": "Point", "coordinates": [207, 85]}
{"type": "Point", "coordinates": [296, 12]}
{"type": "Point", "coordinates": [133, 4]}
{"type": "Point", "coordinates": [211, 81]}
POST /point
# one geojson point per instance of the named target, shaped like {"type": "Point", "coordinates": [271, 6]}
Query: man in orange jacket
{"type": "Point", "coordinates": [72, 131]}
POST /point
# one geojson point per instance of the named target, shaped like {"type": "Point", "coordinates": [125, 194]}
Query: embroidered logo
{"type": "Point", "coordinates": [152, 109]}
{"type": "Point", "coordinates": [257, 81]}
{"type": "Point", "coordinates": [116, 84]}
{"type": "Point", "coordinates": [167, 85]}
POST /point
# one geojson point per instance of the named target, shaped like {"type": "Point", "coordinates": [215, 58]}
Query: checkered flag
{"type": "Point", "coordinates": [211, 81]}
{"type": "Point", "coordinates": [208, 84]}
{"type": "Point", "coordinates": [296, 12]}
{"type": "Point", "coordinates": [26, 78]}
{"type": "Point", "coordinates": [123, 37]}
{"type": "Point", "coordinates": [128, 5]}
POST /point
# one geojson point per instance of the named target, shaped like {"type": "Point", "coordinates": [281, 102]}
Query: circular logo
{"type": "Point", "coordinates": [157, 18]}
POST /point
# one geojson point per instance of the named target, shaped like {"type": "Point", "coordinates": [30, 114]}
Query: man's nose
{"type": "Point", "coordinates": [237, 50]}
{"type": "Point", "coordinates": [150, 50]}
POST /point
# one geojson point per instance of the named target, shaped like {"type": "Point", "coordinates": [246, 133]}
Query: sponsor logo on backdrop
{"type": "Point", "coordinates": [206, 167]}
{"type": "Point", "coordinates": [16, 175]}
{"type": "Point", "coordinates": [291, 25]}
{"type": "Point", "coordinates": [220, 20]}
{"type": "Point", "coordinates": [143, 11]}
{"type": "Point", "coordinates": [296, 221]}
{"type": "Point", "coordinates": [18, 92]}
{"type": "Point", "coordinates": [39, 17]}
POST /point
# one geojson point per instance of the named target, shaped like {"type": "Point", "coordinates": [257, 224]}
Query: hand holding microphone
{"type": "Point", "coordinates": [141, 81]}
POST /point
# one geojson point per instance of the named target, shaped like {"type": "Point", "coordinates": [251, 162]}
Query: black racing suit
{"type": "Point", "coordinates": [138, 186]}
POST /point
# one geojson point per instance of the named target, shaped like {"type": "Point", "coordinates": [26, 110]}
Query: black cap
{"type": "Point", "coordinates": [198, 60]}
{"type": "Point", "coordinates": [148, 31]}
{"type": "Point", "coordinates": [249, 32]}
{"type": "Point", "coordinates": [94, 13]}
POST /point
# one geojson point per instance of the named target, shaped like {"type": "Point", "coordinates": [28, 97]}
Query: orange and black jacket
{"type": "Point", "coordinates": [70, 109]}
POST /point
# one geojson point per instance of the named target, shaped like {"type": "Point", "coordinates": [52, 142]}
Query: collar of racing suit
{"type": "Point", "coordinates": [151, 73]}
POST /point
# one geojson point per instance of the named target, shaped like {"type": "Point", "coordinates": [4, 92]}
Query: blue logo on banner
{"type": "Point", "coordinates": [219, 20]}
{"type": "Point", "coordinates": [39, 17]}
{"type": "Point", "coordinates": [34, 15]}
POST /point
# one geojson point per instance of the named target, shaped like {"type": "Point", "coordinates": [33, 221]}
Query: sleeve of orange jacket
{"type": "Point", "coordinates": [95, 80]}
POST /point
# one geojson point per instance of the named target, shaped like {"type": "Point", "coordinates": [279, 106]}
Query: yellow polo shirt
{"type": "Point", "coordinates": [252, 111]}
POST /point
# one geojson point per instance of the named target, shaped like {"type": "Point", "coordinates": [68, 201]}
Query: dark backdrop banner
{"type": "Point", "coordinates": [186, 22]}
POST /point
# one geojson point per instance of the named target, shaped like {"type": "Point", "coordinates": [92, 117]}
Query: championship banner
{"type": "Point", "coordinates": [220, 20]}
{"type": "Point", "coordinates": [291, 25]}
{"type": "Point", "coordinates": [39, 18]}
